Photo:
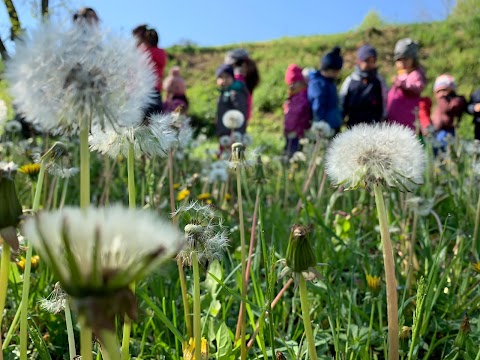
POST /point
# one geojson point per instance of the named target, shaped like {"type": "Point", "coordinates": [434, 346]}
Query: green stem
{"type": "Point", "coordinates": [302, 287]}
{"type": "Point", "coordinates": [110, 348]}
{"type": "Point", "coordinates": [28, 267]}
{"type": "Point", "coordinates": [84, 168]}
{"type": "Point", "coordinates": [243, 317]}
{"type": "Point", "coordinates": [391, 282]}
{"type": "Point", "coordinates": [64, 193]}
{"type": "Point", "coordinates": [12, 329]}
{"type": "Point", "coordinates": [127, 326]}
{"type": "Point", "coordinates": [4, 271]}
{"type": "Point", "coordinates": [478, 355]}
{"type": "Point", "coordinates": [85, 342]}
{"type": "Point", "coordinates": [370, 327]}
{"type": "Point", "coordinates": [70, 334]}
{"type": "Point", "coordinates": [197, 325]}
{"type": "Point", "coordinates": [475, 231]}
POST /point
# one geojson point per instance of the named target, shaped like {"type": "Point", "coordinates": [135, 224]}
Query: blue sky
{"type": "Point", "coordinates": [220, 22]}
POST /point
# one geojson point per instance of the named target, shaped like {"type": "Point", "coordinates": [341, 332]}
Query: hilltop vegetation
{"type": "Point", "coordinates": [448, 46]}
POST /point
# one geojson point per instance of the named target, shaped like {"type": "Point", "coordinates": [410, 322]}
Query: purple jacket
{"type": "Point", "coordinates": [404, 97]}
{"type": "Point", "coordinates": [298, 113]}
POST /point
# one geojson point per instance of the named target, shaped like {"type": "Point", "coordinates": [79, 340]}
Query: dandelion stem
{"type": "Point", "coordinates": [84, 168]}
{"type": "Point", "coordinates": [85, 342]}
{"type": "Point", "coordinates": [197, 325]}
{"type": "Point", "coordinates": [110, 348]}
{"type": "Point", "coordinates": [64, 193]}
{"type": "Point", "coordinates": [127, 326]}
{"type": "Point", "coordinates": [252, 234]}
{"type": "Point", "coordinates": [475, 230]}
{"type": "Point", "coordinates": [391, 282]}
{"type": "Point", "coordinates": [4, 270]}
{"type": "Point", "coordinates": [181, 273]}
{"type": "Point", "coordinates": [370, 327]}
{"type": "Point", "coordinates": [70, 334]}
{"type": "Point", "coordinates": [243, 322]}
{"type": "Point", "coordinates": [28, 266]}
{"type": "Point", "coordinates": [302, 287]}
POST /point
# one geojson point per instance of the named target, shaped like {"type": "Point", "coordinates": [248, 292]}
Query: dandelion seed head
{"type": "Point", "coordinates": [65, 73]}
{"type": "Point", "coordinates": [233, 119]}
{"type": "Point", "coordinates": [386, 153]}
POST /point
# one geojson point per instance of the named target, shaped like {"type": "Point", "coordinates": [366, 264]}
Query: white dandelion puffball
{"type": "Point", "coordinates": [389, 154]}
{"type": "Point", "coordinates": [322, 128]}
{"type": "Point", "coordinates": [62, 75]}
{"type": "Point", "coordinates": [233, 119]}
{"type": "Point", "coordinates": [101, 248]}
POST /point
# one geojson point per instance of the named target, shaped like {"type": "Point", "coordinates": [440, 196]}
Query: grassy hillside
{"type": "Point", "coordinates": [451, 46]}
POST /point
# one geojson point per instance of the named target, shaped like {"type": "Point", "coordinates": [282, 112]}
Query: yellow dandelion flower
{"type": "Point", "coordinates": [373, 283]}
{"type": "Point", "coordinates": [31, 170]}
{"type": "Point", "coordinates": [204, 196]}
{"type": "Point", "coordinates": [176, 186]}
{"type": "Point", "coordinates": [183, 194]}
{"type": "Point", "coordinates": [228, 197]}
{"type": "Point", "coordinates": [209, 202]}
{"type": "Point", "coordinates": [189, 349]}
{"type": "Point", "coordinates": [35, 261]}
{"type": "Point", "coordinates": [476, 267]}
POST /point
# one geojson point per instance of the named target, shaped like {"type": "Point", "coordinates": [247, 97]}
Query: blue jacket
{"type": "Point", "coordinates": [322, 94]}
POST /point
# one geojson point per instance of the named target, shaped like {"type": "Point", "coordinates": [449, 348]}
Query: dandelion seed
{"type": "Point", "coordinates": [62, 75]}
{"type": "Point", "coordinates": [365, 154]}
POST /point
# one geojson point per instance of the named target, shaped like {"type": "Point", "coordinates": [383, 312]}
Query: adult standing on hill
{"type": "Point", "coordinates": [246, 71]}
{"type": "Point", "coordinates": [408, 84]}
{"type": "Point", "coordinates": [147, 40]}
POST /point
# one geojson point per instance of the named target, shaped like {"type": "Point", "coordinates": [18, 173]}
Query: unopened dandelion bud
{"type": "Point", "coordinates": [259, 174]}
{"type": "Point", "coordinates": [373, 283]}
{"type": "Point", "coordinates": [463, 333]}
{"type": "Point", "coordinates": [406, 332]}
{"type": "Point", "coordinates": [300, 255]}
{"type": "Point", "coordinates": [10, 207]}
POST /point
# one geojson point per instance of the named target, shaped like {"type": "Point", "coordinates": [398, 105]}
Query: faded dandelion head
{"type": "Point", "coordinates": [13, 126]}
{"type": "Point", "coordinates": [233, 119]}
{"type": "Point", "coordinates": [322, 129]}
{"type": "Point", "coordinates": [155, 136]}
{"type": "Point", "coordinates": [63, 75]}
{"type": "Point", "coordinates": [237, 157]}
{"type": "Point", "coordinates": [206, 236]}
{"type": "Point", "coordinates": [95, 253]}
{"type": "Point", "coordinates": [55, 301]}
{"type": "Point", "coordinates": [389, 154]}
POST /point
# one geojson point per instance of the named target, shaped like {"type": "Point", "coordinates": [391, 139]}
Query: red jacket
{"type": "Point", "coordinates": [159, 60]}
{"type": "Point", "coordinates": [447, 110]}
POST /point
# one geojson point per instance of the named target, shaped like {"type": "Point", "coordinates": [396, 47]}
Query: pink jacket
{"type": "Point", "coordinates": [404, 97]}
{"type": "Point", "coordinates": [298, 113]}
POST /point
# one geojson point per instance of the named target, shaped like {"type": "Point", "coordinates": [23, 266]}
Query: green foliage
{"type": "Point", "coordinates": [372, 20]}
{"type": "Point", "coordinates": [465, 9]}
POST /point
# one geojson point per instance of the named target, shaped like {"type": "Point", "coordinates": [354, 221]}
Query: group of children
{"type": "Point", "coordinates": [365, 98]}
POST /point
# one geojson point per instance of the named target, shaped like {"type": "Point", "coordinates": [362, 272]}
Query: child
{"type": "Point", "coordinates": [147, 40]}
{"type": "Point", "coordinates": [322, 91]}
{"type": "Point", "coordinates": [404, 96]}
{"type": "Point", "coordinates": [233, 96]}
{"type": "Point", "coordinates": [363, 95]}
{"type": "Point", "coordinates": [474, 109]}
{"type": "Point", "coordinates": [296, 109]}
{"type": "Point", "coordinates": [449, 107]}
{"type": "Point", "coordinates": [246, 71]}
{"type": "Point", "coordinates": [175, 92]}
